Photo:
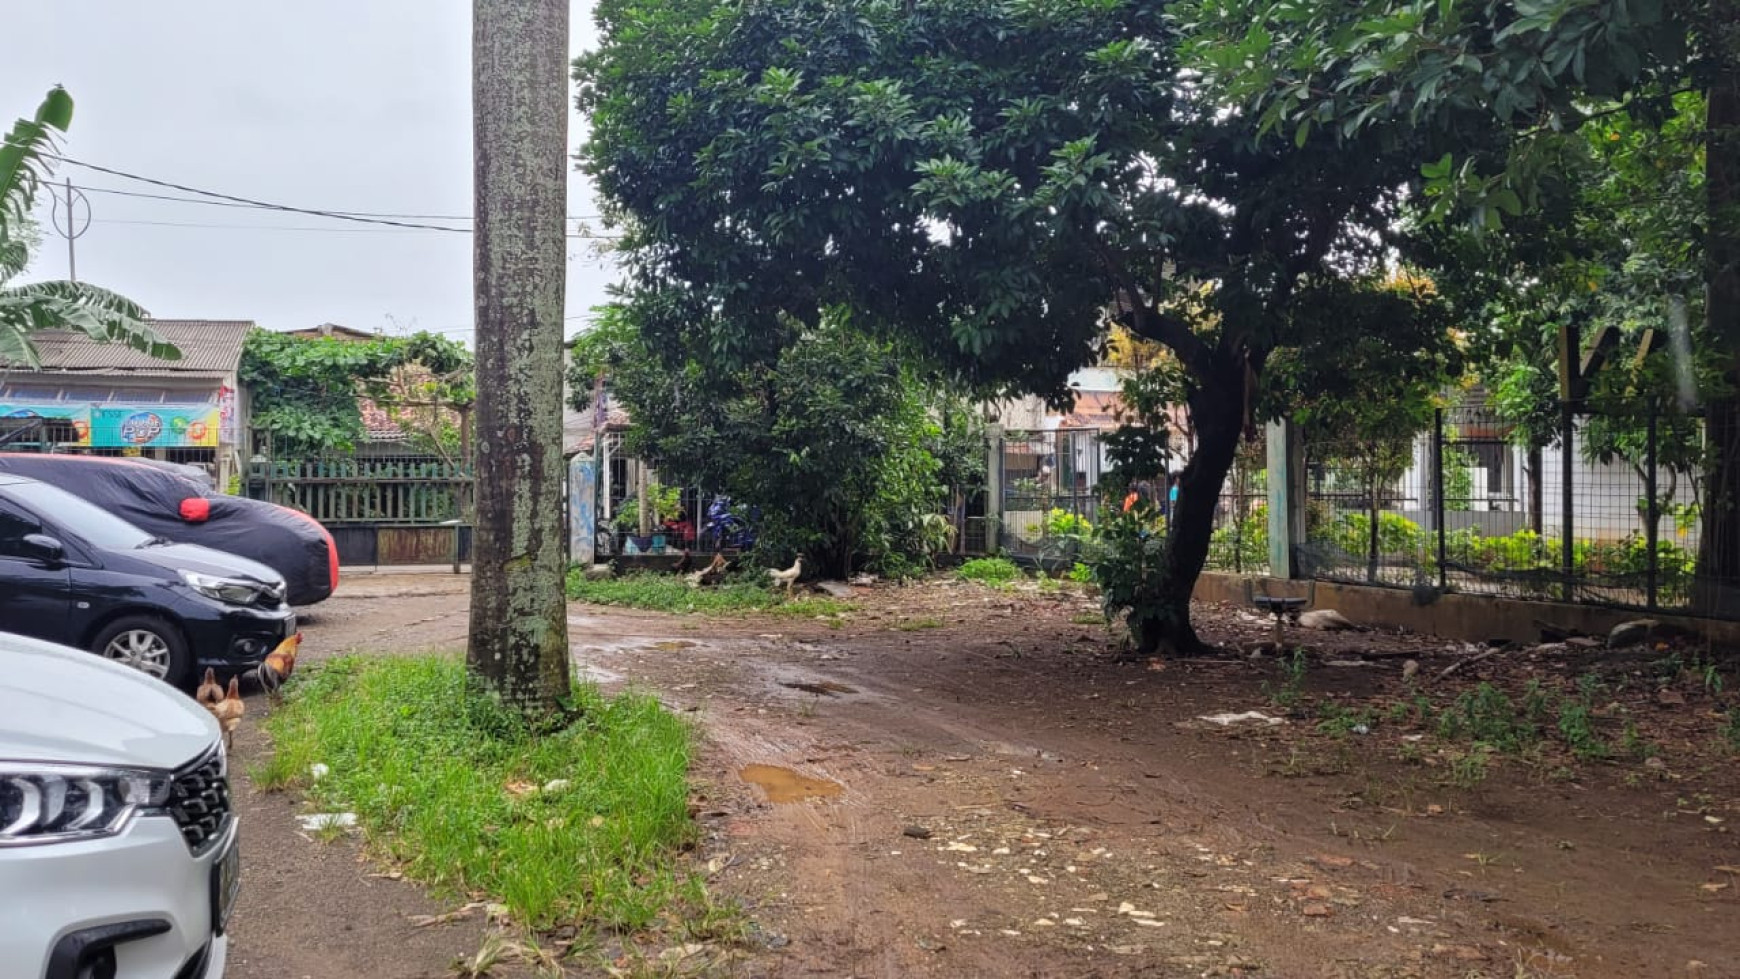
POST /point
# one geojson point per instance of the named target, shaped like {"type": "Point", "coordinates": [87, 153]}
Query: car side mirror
{"type": "Point", "coordinates": [43, 546]}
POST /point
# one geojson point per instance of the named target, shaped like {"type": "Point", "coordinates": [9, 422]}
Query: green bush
{"type": "Point", "coordinates": [989, 571]}
{"type": "Point", "coordinates": [1241, 545]}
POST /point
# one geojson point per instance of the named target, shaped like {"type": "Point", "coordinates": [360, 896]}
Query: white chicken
{"type": "Point", "coordinates": [789, 576]}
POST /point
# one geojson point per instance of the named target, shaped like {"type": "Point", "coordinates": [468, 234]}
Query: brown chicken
{"type": "Point", "coordinates": [210, 691]}
{"type": "Point", "coordinates": [229, 710]}
{"type": "Point", "coordinates": [276, 668]}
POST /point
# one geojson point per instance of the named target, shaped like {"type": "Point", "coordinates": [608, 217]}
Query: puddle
{"type": "Point", "coordinates": [824, 689]}
{"type": "Point", "coordinates": [784, 785]}
{"type": "Point", "coordinates": [597, 674]}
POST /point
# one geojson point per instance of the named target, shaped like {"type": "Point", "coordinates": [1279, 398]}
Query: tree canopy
{"type": "Point", "coordinates": [985, 182]}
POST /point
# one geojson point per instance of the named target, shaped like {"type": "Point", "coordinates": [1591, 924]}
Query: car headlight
{"type": "Point", "coordinates": [223, 589]}
{"type": "Point", "coordinates": [41, 803]}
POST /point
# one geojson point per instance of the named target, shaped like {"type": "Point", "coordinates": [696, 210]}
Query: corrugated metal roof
{"type": "Point", "coordinates": [209, 348]}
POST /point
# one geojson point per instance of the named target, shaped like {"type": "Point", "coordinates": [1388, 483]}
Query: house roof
{"type": "Point", "coordinates": [334, 330]}
{"type": "Point", "coordinates": [210, 349]}
{"type": "Point", "coordinates": [577, 435]}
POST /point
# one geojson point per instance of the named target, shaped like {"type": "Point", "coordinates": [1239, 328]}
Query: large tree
{"type": "Point", "coordinates": [26, 159]}
{"type": "Point", "coordinates": [987, 181]}
{"type": "Point", "coordinates": [519, 617]}
{"type": "Point", "coordinates": [1539, 71]}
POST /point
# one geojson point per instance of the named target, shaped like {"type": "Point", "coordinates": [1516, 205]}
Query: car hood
{"type": "Point", "coordinates": [192, 557]}
{"type": "Point", "coordinates": [73, 707]}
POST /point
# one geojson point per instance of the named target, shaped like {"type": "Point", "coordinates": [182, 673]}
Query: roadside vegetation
{"type": "Point", "coordinates": [582, 827]}
{"type": "Point", "coordinates": [670, 593]}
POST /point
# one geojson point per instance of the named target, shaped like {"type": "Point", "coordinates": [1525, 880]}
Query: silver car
{"type": "Point", "coordinates": [118, 847]}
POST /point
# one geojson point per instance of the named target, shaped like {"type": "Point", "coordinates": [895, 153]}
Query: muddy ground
{"type": "Point", "coordinates": [958, 781]}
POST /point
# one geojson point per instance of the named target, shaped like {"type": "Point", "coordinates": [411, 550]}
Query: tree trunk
{"type": "Point", "coordinates": [519, 623]}
{"type": "Point", "coordinates": [1718, 577]}
{"type": "Point", "coordinates": [1163, 625]}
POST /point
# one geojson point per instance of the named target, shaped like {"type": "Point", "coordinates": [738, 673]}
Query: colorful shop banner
{"type": "Point", "coordinates": [155, 426]}
{"type": "Point", "coordinates": [79, 415]}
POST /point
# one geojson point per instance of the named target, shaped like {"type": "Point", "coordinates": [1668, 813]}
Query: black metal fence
{"type": "Point", "coordinates": [1596, 508]}
{"type": "Point", "coordinates": [1050, 493]}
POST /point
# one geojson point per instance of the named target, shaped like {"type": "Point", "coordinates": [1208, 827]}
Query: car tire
{"type": "Point", "coordinates": [148, 644]}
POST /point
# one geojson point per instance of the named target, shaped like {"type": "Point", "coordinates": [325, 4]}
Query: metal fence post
{"type": "Point", "coordinates": [1567, 466]}
{"type": "Point", "coordinates": [1652, 509]}
{"type": "Point", "coordinates": [1438, 490]}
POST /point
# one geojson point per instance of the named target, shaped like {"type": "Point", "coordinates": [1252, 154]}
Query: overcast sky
{"type": "Point", "coordinates": [345, 105]}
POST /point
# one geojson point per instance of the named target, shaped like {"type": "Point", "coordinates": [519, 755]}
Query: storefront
{"type": "Point", "coordinates": [107, 399]}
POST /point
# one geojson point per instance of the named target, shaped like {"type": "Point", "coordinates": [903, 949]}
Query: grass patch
{"type": "Point", "coordinates": [989, 571]}
{"type": "Point", "coordinates": [452, 789]}
{"type": "Point", "coordinates": [914, 625]}
{"type": "Point", "coordinates": [669, 593]}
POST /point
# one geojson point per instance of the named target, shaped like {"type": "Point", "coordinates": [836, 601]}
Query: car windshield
{"type": "Point", "coordinates": [96, 526]}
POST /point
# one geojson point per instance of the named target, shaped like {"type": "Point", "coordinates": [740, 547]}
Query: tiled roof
{"type": "Point", "coordinates": [209, 348]}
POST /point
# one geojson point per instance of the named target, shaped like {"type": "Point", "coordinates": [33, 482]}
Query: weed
{"type": "Point", "coordinates": [1634, 744]}
{"type": "Point", "coordinates": [462, 795]}
{"type": "Point", "coordinates": [1341, 722]}
{"type": "Point", "coordinates": [1470, 768]}
{"type": "Point", "coordinates": [1589, 686]}
{"type": "Point", "coordinates": [1536, 702]}
{"type": "Point", "coordinates": [1486, 715]}
{"type": "Point", "coordinates": [1087, 618]}
{"type": "Point", "coordinates": [668, 593]}
{"type": "Point", "coordinates": [1410, 753]}
{"type": "Point", "coordinates": [989, 571]}
{"type": "Point", "coordinates": [1081, 574]}
{"type": "Point", "coordinates": [1291, 689]}
{"type": "Point", "coordinates": [914, 625]}
{"type": "Point", "coordinates": [1577, 727]}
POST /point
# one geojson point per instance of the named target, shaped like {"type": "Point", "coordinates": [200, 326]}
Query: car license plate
{"type": "Point", "coordinates": [290, 626]}
{"type": "Point", "coordinates": [226, 882]}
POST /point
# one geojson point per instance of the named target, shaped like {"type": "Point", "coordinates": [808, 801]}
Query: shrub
{"type": "Point", "coordinates": [989, 571]}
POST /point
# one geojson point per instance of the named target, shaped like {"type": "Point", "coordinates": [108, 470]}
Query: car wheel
{"type": "Point", "coordinates": [147, 644]}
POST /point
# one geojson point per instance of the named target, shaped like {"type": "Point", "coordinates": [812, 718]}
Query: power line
{"type": "Point", "coordinates": [316, 212]}
{"type": "Point", "coordinates": [288, 227]}
{"type": "Point", "coordinates": [355, 214]}
{"type": "Point", "coordinates": [267, 205]}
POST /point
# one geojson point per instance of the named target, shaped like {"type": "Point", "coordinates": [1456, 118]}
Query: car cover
{"type": "Point", "coordinates": [164, 503]}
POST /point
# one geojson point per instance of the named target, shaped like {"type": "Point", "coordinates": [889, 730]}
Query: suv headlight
{"type": "Point", "coordinates": [223, 589]}
{"type": "Point", "coordinates": [42, 803]}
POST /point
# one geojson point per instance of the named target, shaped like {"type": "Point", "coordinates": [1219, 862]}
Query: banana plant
{"type": "Point", "coordinates": [26, 159]}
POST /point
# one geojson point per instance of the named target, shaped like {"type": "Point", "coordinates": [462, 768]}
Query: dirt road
{"type": "Point", "coordinates": [962, 782]}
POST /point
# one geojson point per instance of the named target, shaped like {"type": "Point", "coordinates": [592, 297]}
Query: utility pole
{"type": "Point", "coordinates": [72, 262]}
{"type": "Point", "coordinates": [73, 230]}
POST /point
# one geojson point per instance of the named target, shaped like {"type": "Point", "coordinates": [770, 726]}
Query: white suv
{"type": "Point", "coordinates": [118, 853]}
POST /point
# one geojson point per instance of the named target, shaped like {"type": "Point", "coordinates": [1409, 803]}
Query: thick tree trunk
{"type": "Point", "coordinates": [519, 623]}
{"type": "Point", "coordinates": [1718, 578]}
{"type": "Point", "coordinates": [1163, 626]}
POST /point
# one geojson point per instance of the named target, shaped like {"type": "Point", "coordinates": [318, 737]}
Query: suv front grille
{"type": "Point", "coordinates": [199, 801]}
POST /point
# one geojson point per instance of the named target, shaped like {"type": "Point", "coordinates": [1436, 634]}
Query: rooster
{"type": "Point", "coordinates": [276, 668]}
{"type": "Point", "coordinates": [229, 710]}
{"type": "Point", "coordinates": [210, 691]}
{"type": "Point", "coordinates": [789, 576]}
{"type": "Point", "coordinates": [710, 574]}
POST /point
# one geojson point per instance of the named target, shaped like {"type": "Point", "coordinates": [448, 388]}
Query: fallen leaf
{"type": "Point", "coordinates": [1713, 888]}
{"type": "Point", "coordinates": [1316, 910]}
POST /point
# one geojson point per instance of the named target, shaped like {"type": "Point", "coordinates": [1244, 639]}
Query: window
{"type": "Point", "coordinates": [14, 525]}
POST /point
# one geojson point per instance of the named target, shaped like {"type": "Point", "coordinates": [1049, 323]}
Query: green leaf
{"type": "Point", "coordinates": [1439, 170]}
